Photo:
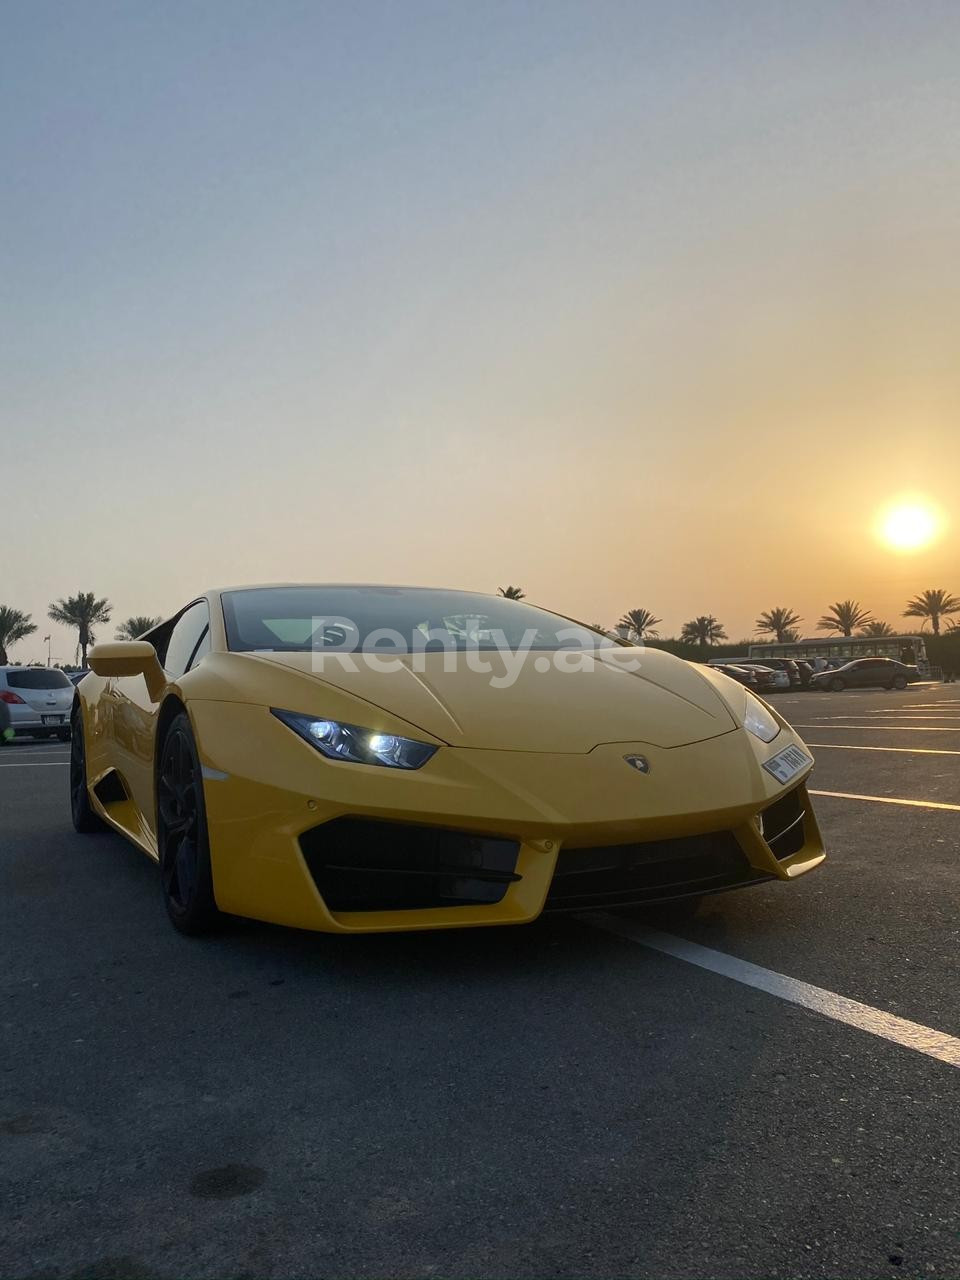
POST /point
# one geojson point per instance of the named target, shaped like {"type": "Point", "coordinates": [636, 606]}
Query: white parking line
{"type": "Point", "coordinates": [888, 715]}
{"type": "Point", "coordinates": [39, 764]}
{"type": "Point", "coordinates": [884, 728]}
{"type": "Point", "coordinates": [911, 1035]}
{"type": "Point", "coordinates": [918, 713]}
{"type": "Point", "coordinates": [901, 716]}
{"type": "Point", "coordinates": [913, 804]}
{"type": "Point", "coordinates": [909, 751]}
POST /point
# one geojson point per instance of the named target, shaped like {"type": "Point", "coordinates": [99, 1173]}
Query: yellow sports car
{"type": "Point", "coordinates": [357, 758]}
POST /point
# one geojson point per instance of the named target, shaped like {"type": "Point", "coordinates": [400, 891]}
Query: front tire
{"type": "Point", "coordinates": [85, 819]}
{"type": "Point", "coordinates": [186, 876]}
{"type": "Point", "coordinates": [837, 685]}
{"type": "Point", "coordinates": [900, 682]}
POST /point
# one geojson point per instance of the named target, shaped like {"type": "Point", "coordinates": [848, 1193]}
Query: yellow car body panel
{"type": "Point", "coordinates": [540, 764]}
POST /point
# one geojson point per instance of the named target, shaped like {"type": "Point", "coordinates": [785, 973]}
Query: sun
{"type": "Point", "coordinates": [909, 525]}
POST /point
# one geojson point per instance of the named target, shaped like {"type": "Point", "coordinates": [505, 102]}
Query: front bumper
{"type": "Point", "coordinates": [269, 797]}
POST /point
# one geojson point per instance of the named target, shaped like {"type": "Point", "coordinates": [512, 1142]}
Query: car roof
{"type": "Point", "coordinates": [351, 586]}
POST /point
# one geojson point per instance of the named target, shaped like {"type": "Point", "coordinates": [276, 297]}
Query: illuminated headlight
{"type": "Point", "coordinates": [758, 720]}
{"type": "Point", "coordinates": [349, 742]}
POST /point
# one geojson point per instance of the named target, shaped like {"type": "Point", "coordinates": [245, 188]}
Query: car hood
{"type": "Point", "coordinates": [518, 707]}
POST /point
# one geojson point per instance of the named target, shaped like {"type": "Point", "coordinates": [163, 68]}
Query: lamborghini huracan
{"type": "Point", "coordinates": [360, 758]}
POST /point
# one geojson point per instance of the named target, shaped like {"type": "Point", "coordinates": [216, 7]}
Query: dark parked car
{"type": "Point", "coordinates": [867, 673]}
{"type": "Point", "coordinates": [789, 665]}
{"type": "Point", "coordinates": [760, 679]}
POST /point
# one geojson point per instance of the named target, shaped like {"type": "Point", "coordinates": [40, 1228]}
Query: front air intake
{"type": "Point", "coordinates": [783, 825]}
{"type": "Point", "coordinates": [359, 865]}
{"type": "Point", "coordinates": [648, 871]}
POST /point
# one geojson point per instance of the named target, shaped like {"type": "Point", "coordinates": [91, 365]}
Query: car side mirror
{"type": "Point", "coordinates": [129, 658]}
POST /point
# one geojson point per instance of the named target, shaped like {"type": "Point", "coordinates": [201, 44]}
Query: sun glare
{"type": "Point", "coordinates": [909, 526]}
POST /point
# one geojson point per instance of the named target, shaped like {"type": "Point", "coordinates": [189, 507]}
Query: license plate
{"type": "Point", "coordinates": [51, 719]}
{"type": "Point", "coordinates": [787, 764]}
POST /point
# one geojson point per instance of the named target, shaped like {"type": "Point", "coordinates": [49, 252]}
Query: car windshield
{"type": "Point", "coordinates": [401, 619]}
{"type": "Point", "coordinates": [37, 678]}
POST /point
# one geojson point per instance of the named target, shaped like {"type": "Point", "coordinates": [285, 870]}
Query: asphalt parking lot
{"type": "Point", "coordinates": [555, 1100]}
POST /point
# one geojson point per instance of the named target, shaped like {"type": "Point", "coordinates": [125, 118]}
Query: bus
{"type": "Point", "coordinates": [909, 649]}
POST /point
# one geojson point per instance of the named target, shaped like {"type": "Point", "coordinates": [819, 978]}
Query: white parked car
{"type": "Point", "coordinates": [781, 679]}
{"type": "Point", "coordinates": [38, 699]}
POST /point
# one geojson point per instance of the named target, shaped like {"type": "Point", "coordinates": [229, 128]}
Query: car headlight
{"type": "Point", "coordinates": [349, 742]}
{"type": "Point", "coordinates": [758, 720]}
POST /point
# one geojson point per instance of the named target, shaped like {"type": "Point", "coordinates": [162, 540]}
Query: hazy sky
{"type": "Point", "coordinates": [630, 304]}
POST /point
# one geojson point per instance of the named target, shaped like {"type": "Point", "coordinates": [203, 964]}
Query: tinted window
{"type": "Point", "coordinates": [159, 637]}
{"type": "Point", "coordinates": [311, 618]}
{"type": "Point", "coordinates": [187, 631]}
{"type": "Point", "coordinates": [37, 678]}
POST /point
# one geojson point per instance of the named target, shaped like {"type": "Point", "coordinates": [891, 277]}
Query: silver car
{"type": "Point", "coordinates": [781, 679]}
{"type": "Point", "coordinates": [38, 699]}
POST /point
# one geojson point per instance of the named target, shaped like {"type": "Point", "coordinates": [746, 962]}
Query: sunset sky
{"type": "Point", "coordinates": [629, 304]}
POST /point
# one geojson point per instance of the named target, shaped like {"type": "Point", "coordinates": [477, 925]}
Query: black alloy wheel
{"type": "Point", "coordinates": [182, 842]}
{"type": "Point", "coordinates": [85, 820]}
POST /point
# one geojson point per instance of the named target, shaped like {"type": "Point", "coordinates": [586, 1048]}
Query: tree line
{"type": "Point", "coordinates": [86, 610]}
{"type": "Point", "coordinates": [845, 617]}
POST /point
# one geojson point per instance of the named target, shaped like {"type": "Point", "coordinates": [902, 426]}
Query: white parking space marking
{"type": "Point", "coordinates": [913, 804]}
{"type": "Point", "coordinates": [891, 717]}
{"type": "Point", "coordinates": [888, 715]}
{"type": "Point", "coordinates": [916, 713]}
{"type": "Point", "coordinates": [911, 1035]}
{"type": "Point", "coordinates": [909, 751]}
{"type": "Point", "coordinates": [902, 715]}
{"type": "Point", "coordinates": [39, 764]}
{"type": "Point", "coordinates": [884, 728]}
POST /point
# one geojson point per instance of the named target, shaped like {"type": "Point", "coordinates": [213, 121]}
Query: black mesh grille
{"type": "Point", "coordinates": [652, 871]}
{"type": "Point", "coordinates": [359, 865]}
{"type": "Point", "coordinates": [783, 825]}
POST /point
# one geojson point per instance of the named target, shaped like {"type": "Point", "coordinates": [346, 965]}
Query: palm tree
{"type": "Point", "coordinates": [14, 626]}
{"type": "Point", "coordinates": [83, 611]}
{"type": "Point", "coordinates": [932, 604]}
{"type": "Point", "coordinates": [878, 629]}
{"type": "Point", "coordinates": [136, 626]}
{"type": "Point", "coordinates": [639, 623]}
{"type": "Point", "coordinates": [779, 622]}
{"type": "Point", "coordinates": [844, 617]}
{"type": "Point", "coordinates": [511, 593]}
{"type": "Point", "coordinates": [704, 631]}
